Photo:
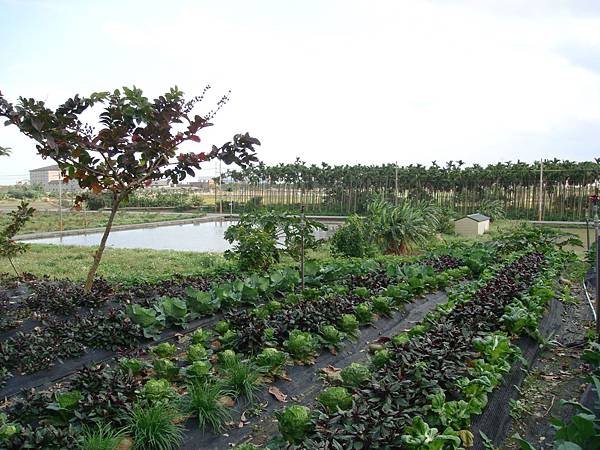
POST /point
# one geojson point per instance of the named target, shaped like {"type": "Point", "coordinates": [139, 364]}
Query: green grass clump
{"type": "Point", "coordinates": [154, 428]}
{"type": "Point", "coordinates": [204, 401]}
{"type": "Point", "coordinates": [101, 437]}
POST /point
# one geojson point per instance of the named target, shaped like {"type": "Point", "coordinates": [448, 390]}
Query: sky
{"type": "Point", "coordinates": [339, 81]}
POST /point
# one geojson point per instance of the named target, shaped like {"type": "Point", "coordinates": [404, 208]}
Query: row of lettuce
{"type": "Point", "coordinates": [422, 389]}
{"type": "Point", "coordinates": [147, 397]}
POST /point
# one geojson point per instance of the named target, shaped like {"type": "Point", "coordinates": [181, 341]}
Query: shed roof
{"type": "Point", "coordinates": [478, 217]}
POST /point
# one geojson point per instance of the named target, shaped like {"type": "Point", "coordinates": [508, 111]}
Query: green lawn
{"type": "Point", "coordinates": [117, 264]}
{"type": "Point", "coordinates": [50, 220]}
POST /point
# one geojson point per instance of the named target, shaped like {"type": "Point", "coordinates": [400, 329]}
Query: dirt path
{"type": "Point", "coordinates": [555, 375]}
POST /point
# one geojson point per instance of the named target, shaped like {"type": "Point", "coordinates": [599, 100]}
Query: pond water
{"type": "Point", "coordinates": [195, 237]}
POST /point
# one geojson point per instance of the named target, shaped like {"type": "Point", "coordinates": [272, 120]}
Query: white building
{"type": "Point", "coordinates": [472, 225]}
{"type": "Point", "coordinates": [49, 179]}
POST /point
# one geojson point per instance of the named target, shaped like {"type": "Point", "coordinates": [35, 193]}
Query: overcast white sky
{"type": "Point", "coordinates": [343, 81]}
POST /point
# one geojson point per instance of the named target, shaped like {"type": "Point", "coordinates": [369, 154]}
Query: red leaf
{"type": "Point", "coordinates": [194, 138]}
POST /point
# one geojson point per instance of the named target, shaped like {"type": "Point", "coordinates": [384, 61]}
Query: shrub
{"type": "Point", "coordinates": [294, 423]}
{"type": "Point", "coordinates": [204, 401]}
{"type": "Point", "coordinates": [154, 427]}
{"type": "Point", "coordinates": [335, 397]}
{"type": "Point", "coordinates": [353, 239]}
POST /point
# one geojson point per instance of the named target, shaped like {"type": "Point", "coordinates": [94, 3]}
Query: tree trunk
{"type": "Point", "coordinates": [13, 266]}
{"type": "Point", "coordinates": [98, 255]}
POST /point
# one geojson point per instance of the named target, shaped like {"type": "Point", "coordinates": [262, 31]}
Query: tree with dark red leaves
{"type": "Point", "coordinates": [135, 143]}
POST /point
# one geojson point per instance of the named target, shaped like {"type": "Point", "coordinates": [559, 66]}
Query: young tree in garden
{"type": "Point", "coordinates": [136, 142]}
{"type": "Point", "coordinates": [9, 248]}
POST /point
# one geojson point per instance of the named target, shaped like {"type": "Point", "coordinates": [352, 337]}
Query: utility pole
{"type": "Point", "coordinates": [60, 213]}
{"type": "Point", "coordinates": [302, 226]}
{"type": "Point", "coordinates": [396, 186]}
{"type": "Point", "coordinates": [220, 189]}
{"type": "Point", "coordinates": [595, 199]}
{"type": "Point", "coordinates": [541, 196]}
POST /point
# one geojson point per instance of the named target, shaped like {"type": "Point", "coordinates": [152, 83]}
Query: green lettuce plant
{"type": "Point", "coordinates": [294, 423]}
{"type": "Point", "coordinates": [355, 375]}
{"type": "Point", "coordinates": [334, 398]}
{"type": "Point", "coordinates": [196, 352]}
{"type": "Point", "coordinates": [271, 360]}
{"type": "Point", "coordinates": [155, 391]}
{"type": "Point", "coordinates": [301, 345]}
{"type": "Point", "coordinates": [165, 368]}
{"type": "Point", "coordinates": [164, 350]}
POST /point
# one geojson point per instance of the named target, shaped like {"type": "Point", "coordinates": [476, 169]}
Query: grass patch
{"type": "Point", "coordinates": [43, 221]}
{"type": "Point", "coordinates": [119, 265]}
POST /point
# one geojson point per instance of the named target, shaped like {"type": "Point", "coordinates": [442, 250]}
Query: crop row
{"type": "Point", "coordinates": [104, 393]}
{"type": "Point", "coordinates": [423, 386]}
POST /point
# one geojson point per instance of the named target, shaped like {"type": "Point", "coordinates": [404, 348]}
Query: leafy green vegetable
{"type": "Point", "coordinates": [380, 358]}
{"type": "Point", "coordinates": [363, 314]}
{"type": "Point", "coordinates": [355, 375]}
{"type": "Point", "coordinates": [382, 305]}
{"type": "Point", "coordinates": [196, 352]}
{"type": "Point", "coordinates": [301, 345]}
{"type": "Point", "coordinates": [272, 360]}
{"type": "Point", "coordinates": [228, 358]}
{"type": "Point", "coordinates": [164, 350]}
{"type": "Point", "coordinates": [331, 336]}
{"type": "Point", "coordinates": [132, 366]}
{"type": "Point", "coordinates": [158, 391]}
{"type": "Point", "coordinates": [198, 370]}
{"type": "Point", "coordinates": [201, 336]}
{"type": "Point", "coordinates": [221, 327]}
{"type": "Point", "coordinates": [294, 423]}
{"type": "Point", "coordinates": [349, 324]}
{"type": "Point", "coordinates": [335, 397]}
{"type": "Point", "coordinates": [146, 318]}
{"type": "Point", "coordinates": [174, 310]}
{"type": "Point", "coordinates": [201, 303]}
{"type": "Point", "coordinates": [166, 369]}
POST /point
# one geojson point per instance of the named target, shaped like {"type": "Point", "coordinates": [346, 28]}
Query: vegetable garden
{"type": "Point", "coordinates": [383, 352]}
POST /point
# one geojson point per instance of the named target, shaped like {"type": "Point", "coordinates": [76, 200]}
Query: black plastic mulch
{"type": "Point", "coordinates": [305, 383]}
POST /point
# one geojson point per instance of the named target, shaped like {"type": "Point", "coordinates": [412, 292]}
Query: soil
{"type": "Point", "coordinates": [558, 373]}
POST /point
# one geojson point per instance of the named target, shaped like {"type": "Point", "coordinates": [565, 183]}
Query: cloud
{"type": "Point", "coordinates": [338, 81]}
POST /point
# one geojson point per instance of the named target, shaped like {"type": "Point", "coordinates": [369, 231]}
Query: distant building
{"type": "Point", "coordinates": [472, 225]}
{"type": "Point", "coordinates": [49, 179]}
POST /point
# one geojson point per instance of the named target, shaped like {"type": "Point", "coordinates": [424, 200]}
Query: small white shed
{"type": "Point", "coordinates": [472, 225]}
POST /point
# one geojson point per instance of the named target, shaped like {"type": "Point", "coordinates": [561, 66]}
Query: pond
{"type": "Point", "coordinates": [195, 237]}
